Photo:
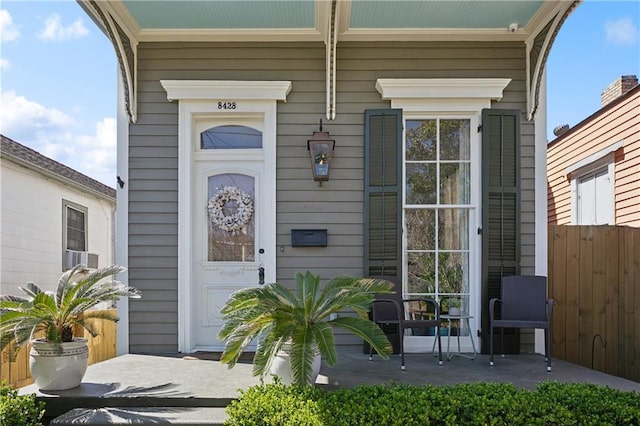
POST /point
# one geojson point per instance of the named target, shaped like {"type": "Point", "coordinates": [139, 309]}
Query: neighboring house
{"type": "Point", "coordinates": [594, 167]}
{"type": "Point", "coordinates": [438, 176]}
{"type": "Point", "coordinates": [52, 217]}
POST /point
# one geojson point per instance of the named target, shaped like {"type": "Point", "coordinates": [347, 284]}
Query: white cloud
{"type": "Point", "coordinates": [8, 30]}
{"type": "Point", "coordinates": [4, 64]}
{"type": "Point", "coordinates": [55, 134]}
{"type": "Point", "coordinates": [18, 113]}
{"type": "Point", "coordinates": [54, 30]}
{"type": "Point", "coordinates": [622, 32]}
{"type": "Point", "coordinates": [95, 155]}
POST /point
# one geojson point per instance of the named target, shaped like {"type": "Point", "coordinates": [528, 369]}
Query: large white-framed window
{"type": "Point", "coordinates": [442, 190]}
{"type": "Point", "coordinates": [437, 208]}
{"type": "Point", "coordinates": [592, 188]}
{"type": "Point", "coordinates": [440, 210]}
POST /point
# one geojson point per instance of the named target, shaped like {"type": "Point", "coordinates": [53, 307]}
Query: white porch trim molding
{"type": "Point", "coordinates": [198, 98]}
{"type": "Point", "coordinates": [190, 90]}
{"type": "Point", "coordinates": [486, 89]}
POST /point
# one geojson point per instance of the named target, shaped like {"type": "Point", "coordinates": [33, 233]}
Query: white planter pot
{"type": "Point", "coordinates": [281, 367]}
{"type": "Point", "coordinates": [55, 370]}
{"type": "Point", "coordinates": [455, 311]}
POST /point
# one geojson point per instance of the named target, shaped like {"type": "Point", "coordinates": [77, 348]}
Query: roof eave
{"type": "Point", "coordinates": [61, 179]}
{"type": "Point", "coordinates": [595, 115]}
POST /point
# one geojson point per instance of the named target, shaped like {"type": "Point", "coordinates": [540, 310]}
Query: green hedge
{"type": "Point", "coordinates": [19, 409]}
{"type": "Point", "coordinates": [469, 404]}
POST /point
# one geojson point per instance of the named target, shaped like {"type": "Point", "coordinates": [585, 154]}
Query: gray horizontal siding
{"type": "Point", "coordinates": [338, 204]}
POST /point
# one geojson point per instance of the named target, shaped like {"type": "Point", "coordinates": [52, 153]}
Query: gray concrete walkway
{"type": "Point", "coordinates": [524, 371]}
{"type": "Point", "coordinates": [193, 390]}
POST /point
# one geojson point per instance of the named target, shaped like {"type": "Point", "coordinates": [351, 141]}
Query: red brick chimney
{"type": "Point", "coordinates": [618, 88]}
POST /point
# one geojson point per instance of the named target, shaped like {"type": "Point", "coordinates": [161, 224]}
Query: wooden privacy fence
{"type": "Point", "coordinates": [101, 348]}
{"type": "Point", "coordinates": [594, 277]}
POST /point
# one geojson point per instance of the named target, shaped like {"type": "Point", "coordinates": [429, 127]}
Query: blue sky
{"type": "Point", "coordinates": [58, 86]}
{"type": "Point", "coordinates": [598, 43]}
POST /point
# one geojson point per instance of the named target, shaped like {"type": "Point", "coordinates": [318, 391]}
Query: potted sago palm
{"type": "Point", "coordinates": [46, 320]}
{"type": "Point", "coordinates": [295, 328]}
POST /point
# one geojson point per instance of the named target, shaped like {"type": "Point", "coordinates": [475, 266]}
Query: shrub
{"type": "Point", "coordinates": [276, 404]}
{"type": "Point", "coordinates": [467, 404]}
{"type": "Point", "coordinates": [592, 404]}
{"type": "Point", "coordinates": [17, 409]}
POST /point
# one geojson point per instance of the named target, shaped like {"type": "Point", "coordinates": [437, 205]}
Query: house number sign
{"type": "Point", "coordinates": [227, 105]}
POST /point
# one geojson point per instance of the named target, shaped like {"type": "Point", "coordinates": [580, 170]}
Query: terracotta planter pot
{"type": "Point", "coordinates": [55, 370]}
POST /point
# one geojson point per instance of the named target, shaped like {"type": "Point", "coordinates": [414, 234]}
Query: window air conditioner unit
{"type": "Point", "coordinates": [73, 258]}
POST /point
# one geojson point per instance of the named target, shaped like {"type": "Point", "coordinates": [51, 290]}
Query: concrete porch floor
{"type": "Point", "coordinates": [194, 389]}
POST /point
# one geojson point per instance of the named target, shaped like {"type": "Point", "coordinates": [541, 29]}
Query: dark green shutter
{"type": "Point", "coordinates": [500, 211]}
{"type": "Point", "coordinates": [383, 193]}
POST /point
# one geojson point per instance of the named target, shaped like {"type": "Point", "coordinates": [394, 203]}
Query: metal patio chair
{"type": "Point", "coordinates": [524, 304]}
{"type": "Point", "coordinates": [388, 311]}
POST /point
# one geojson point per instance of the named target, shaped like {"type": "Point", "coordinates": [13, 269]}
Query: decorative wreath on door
{"type": "Point", "coordinates": [236, 220]}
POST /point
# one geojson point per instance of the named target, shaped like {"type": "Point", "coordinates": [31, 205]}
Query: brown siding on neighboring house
{"type": "Point", "coordinates": [619, 121]}
{"type": "Point", "coordinates": [338, 204]}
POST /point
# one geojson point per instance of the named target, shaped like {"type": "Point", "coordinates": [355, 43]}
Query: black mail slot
{"type": "Point", "coordinates": [308, 238]}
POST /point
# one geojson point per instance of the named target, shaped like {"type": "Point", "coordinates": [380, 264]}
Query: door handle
{"type": "Point", "coordinates": [261, 275]}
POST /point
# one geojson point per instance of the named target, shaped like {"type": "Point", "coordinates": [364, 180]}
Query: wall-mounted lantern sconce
{"type": "Point", "coordinates": [320, 148]}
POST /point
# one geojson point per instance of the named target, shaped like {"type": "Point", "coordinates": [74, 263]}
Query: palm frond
{"type": "Point", "coordinates": [31, 290]}
{"type": "Point", "coordinates": [239, 336]}
{"type": "Point", "coordinates": [375, 285]}
{"type": "Point", "coordinates": [101, 315]}
{"type": "Point", "coordinates": [347, 293]}
{"type": "Point", "coordinates": [7, 306]}
{"type": "Point", "coordinates": [78, 289]}
{"type": "Point", "coordinates": [87, 324]}
{"type": "Point", "coordinates": [303, 351]}
{"type": "Point", "coordinates": [282, 295]}
{"type": "Point", "coordinates": [367, 331]}
{"type": "Point", "coordinates": [268, 346]}
{"type": "Point", "coordinates": [65, 283]}
{"type": "Point", "coordinates": [323, 335]}
{"type": "Point", "coordinates": [10, 298]}
{"type": "Point", "coordinates": [107, 291]}
{"type": "Point", "coordinates": [235, 346]}
{"type": "Point", "coordinates": [10, 319]}
{"type": "Point", "coordinates": [45, 302]}
{"type": "Point", "coordinates": [77, 307]}
{"type": "Point", "coordinates": [26, 329]}
{"type": "Point", "coordinates": [310, 286]}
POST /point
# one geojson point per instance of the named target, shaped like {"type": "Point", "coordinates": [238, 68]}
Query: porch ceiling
{"type": "Point", "coordinates": [309, 20]}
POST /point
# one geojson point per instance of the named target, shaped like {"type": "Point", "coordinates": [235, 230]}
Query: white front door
{"type": "Point", "coordinates": [226, 139]}
{"type": "Point", "coordinates": [232, 234]}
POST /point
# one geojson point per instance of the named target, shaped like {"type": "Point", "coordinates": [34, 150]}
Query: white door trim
{"type": "Point", "coordinates": [214, 98]}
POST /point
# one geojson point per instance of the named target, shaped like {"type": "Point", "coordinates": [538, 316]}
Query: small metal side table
{"type": "Point", "coordinates": [459, 318]}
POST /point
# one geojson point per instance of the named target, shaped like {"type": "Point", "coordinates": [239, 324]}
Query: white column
{"type": "Point", "coordinates": [122, 216]}
{"type": "Point", "coordinates": [541, 226]}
